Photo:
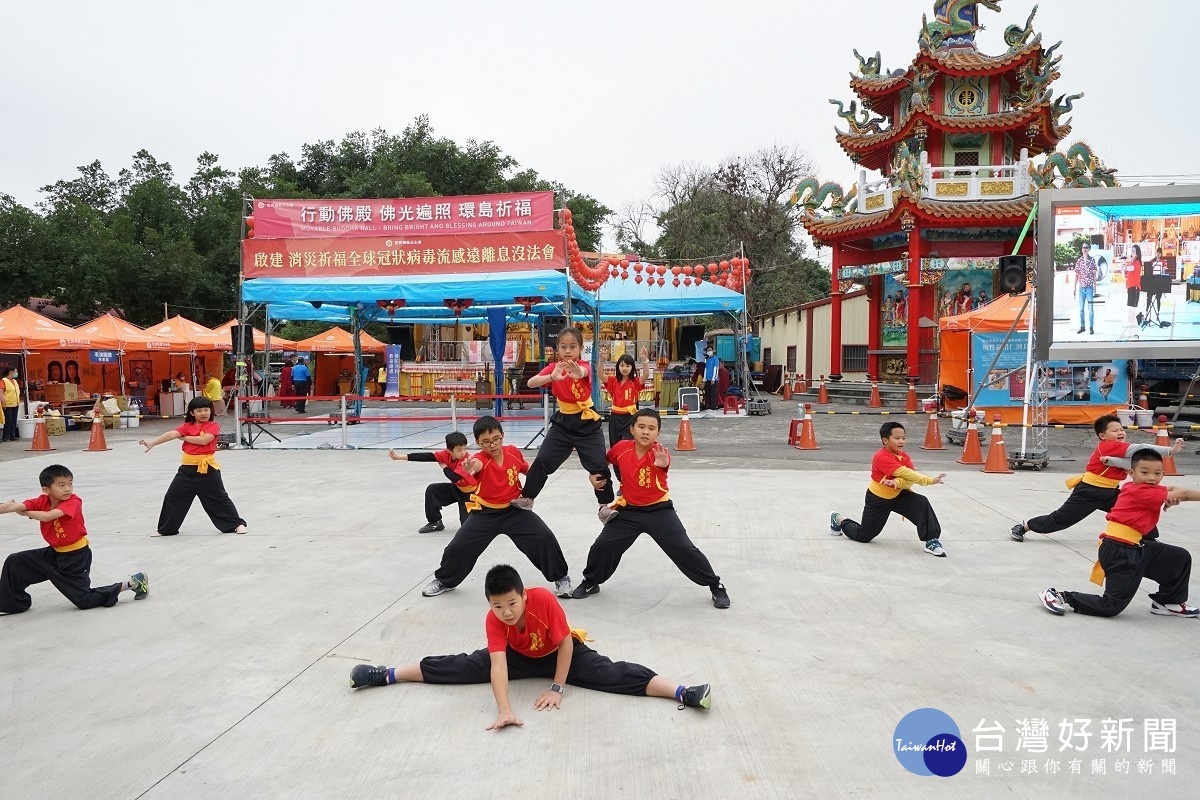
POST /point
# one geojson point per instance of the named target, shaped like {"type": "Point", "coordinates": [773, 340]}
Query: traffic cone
{"type": "Point", "coordinates": [41, 439]}
{"type": "Point", "coordinates": [997, 458]}
{"type": "Point", "coordinates": [875, 401]}
{"type": "Point", "coordinates": [684, 442]}
{"type": "Point", "coordinates": [96, 443]}
{"type": "Point", "coordinates": [808, 437]}
{"type": "Point", "coordinates": [1163, 440]}
{"type": "Point", "coordinates": [787, 388]}
{"type": "Point", "coordinates": [971, 453]}
{"type": "Point", "coordinates": [801, 384]}
{"type": "Point", "coordinates": [822, 394]}
{"type": "Point", "coordinates": [1143, 400]}
{"type": "Point", "coordinates": [910, 402]}
{"type": "Point", "coordinates": [933, 434]}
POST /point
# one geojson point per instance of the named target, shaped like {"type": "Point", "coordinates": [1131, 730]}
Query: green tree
{"type": "Point", "coordinates": [22, 256]}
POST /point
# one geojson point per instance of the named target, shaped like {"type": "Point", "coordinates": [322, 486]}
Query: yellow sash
{"type": "Point", "coordinates": [622, 409]}
{"type": "Point", "coordinates": [475, 502]}
{"type": "Point", "coordinates": [580, 635]}
{"type": "Point", "coordinates": [621, 502]}
{"type": "Point", "coordinates": [67, 548]}
{"type": "Point", "coordinates": [584, 409]}
{"type": "Point", "coordinates": [1092, 479]}
{"type": "Point", "coordinates": [886, 492]}
{"type": "Point", "coordinates": [1121, 533]}
{"type": "Point", "coordinates": [201, 463]}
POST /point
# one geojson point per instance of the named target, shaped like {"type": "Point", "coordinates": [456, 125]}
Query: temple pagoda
{"type": "Point", "coordinates": [952, 137]}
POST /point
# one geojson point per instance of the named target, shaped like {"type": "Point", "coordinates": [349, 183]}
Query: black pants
{"type": "Point", "coordinates": [910, 505]}
{"type": "Point", "coordinates": [10, 424]}
{"type": "Point", "coordinates": [663, 525]}
{"type": "Point", "coordinates": [567, 432]}
{"type": "Point", "coordinates": [69, 572]}
{"type": "Point", "coordinates": [589, 670]}
{"type": "Point", "coordinates": [189, 484]}
{"type": "Point", "coordinates": [1125, 566]}
{"type": "Point", "coordinates": [711, 401]}
{"type": "Point", "coordinates": [1083, 501]}
{"type": "Point", "coordinates": [620, 427]}
{"type": "Point", "coordinates": [440, 495]}
{"type": "Point", "coordinates": [1132, 296]}
{"type": "Point", "coordinates": [527, 531]}
{"type": "Point", "coordinates": [300, 389]}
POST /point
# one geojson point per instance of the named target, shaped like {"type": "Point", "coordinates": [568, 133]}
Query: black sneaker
{"type": "Point", "coordinates": [140, 585]}
{"type": "Point", "coordinates": [1017, 532]}
{"type": "Point", "coordinates": [720, 596]}
{"type": "Point", "coordinates": [432, 527]}
{"type": "Point", "coordinates": [1080, 330]}
{"type": "Point", "coordinates": [583, 590]}
{"type": "Point", "coordinates": [698, 696]}
{"type": "Point", "coordinates": [367, 675]}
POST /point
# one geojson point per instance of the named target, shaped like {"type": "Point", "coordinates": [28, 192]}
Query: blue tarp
{"type": "Point", "coordinates": [487, 288]}
{"type": "Point", "coordinates": [625, 299]}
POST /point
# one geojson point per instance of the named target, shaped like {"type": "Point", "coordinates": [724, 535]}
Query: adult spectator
{"type": "Point", "coordinates": [712, 366]}
{"type": "Point", "coordinates": [301, 383]}
{"type": "Point", "coordinates": [10, 399]}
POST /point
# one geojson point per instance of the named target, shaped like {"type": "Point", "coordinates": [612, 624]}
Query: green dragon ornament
{"type": "Point", "coordinates": [1079, 168]}
{"type": "Point", "coordinates": [811, 196]}
{"type": "Point", "coordinates": [951, 24]}
{"type": "Point", "coordinates": [1017, 37]}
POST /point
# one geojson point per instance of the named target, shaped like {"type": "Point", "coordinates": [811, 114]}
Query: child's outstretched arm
{"type": "Point", "coordinates": [1177, 495]}
{"type": "Point", "coordinates": [551, 698]}
{"type": "Point", "coordinates": [394, 456]}
{"type": "Point", "coordinates": [504, 712]}
{"type": "Point", "coordinates": [43, 516]}
{"type": "Point", "coordinates": [160, 439]}
{"type": "Point", "coordinates": [13, 507]}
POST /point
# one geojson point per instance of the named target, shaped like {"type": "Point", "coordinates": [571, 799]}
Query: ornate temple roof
{"type": "Point", "coordinates": [875, 150]}
{"type": "Point", "coordinates": [1013, 211]}
{"type": "Point", "coordinates": [956, 61]}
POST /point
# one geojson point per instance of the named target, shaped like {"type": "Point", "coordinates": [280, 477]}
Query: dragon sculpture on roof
{"type": "Point", "coordinates": [1017, 37]}
{"type": "Point", "coordinates": [951, 24]}
{"type": "Point", "coordinates": [860, 122]}
{"type": "Point", "coordinates": [811, 195]}
{"type": "Point", "coordinates": [1079, 168]}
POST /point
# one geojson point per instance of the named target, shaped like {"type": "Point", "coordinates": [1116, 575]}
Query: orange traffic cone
{"type": "Point", "coordinates": [801, 384]}
{"type": "Point", "coordinates": [910, 402]}
{"type": "Point", "coordinates": [808, 437]}
{"type": "Point", "coordinates": [787, 388]}
{"type": "Point", "coordinates": [96, 443]}
{"type": "Point", "coordinates": [684, 442]}
{"type": "Point", "coordinates": [933, 434]}
{"type": "Point", "coordinates": [971, 453]}
{"type": "Point", "coordinates": [1143, 400]}
{"type": "Point", "coordinates": [822, 394]}
{"type": "Point", "coordinates": [875, 401]}
{"type": "Point", "coordinates": [1163, 440]}
{"type": "Point", "coordinates": [997, 458]}
{"type": "Point", "coordinates": [41, 439]}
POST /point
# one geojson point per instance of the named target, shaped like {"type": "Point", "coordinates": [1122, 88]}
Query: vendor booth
{"type": "Point", "coordinates": [332, 364]}
{"type": "Point", "coordinates": [1078, 392]}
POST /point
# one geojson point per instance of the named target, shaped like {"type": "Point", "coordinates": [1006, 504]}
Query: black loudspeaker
{"type": "Point", "coordinates": [403, 336]}
{"type": "Point", "coordinates": [1012, 274]}
{"type": "Point", "coordinates": [242, 339]}
{"type": "Point", "coordinates": [688, 336]}
{"type": "Point", "coordinates": [550, 328]}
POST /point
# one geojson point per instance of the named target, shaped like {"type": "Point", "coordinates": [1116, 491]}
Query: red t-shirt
{"type": "Point", "coordinates": [642, 483]}
{"type": "Point", "coordinates": [572, 390]}
{"type": "Point", "coordinates": [1139, 506]}
{"type": "Point", "coordinates": [545, 626]}
{"type": "Point", "coordinates": [499, 484]}
{"type": "Point", "coordinates": [624, 393]}
{"type": "Point", "coordinates": [443, 458]}
{"type": "Point", "coordinates": [1133, 274]}
{"type": "Point", "coordinates": [196, 429]}
{"type": "Point", "coordinates": [1108, 447]}
{"type": "Point", "coordinates": [67, 529]}
{"type": "Point", "coordinates": [884, 463]}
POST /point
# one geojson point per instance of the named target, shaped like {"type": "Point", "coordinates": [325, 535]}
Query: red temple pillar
{"type": "Point", "coordinates": [915, 294]}
{"type": "Point", "coordinates": [874, 324]}
{"type": "Point", "coordinates": [835, 333]}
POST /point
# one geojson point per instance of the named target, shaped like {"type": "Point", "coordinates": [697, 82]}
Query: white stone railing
{"type": "Point", "coordinates": [984, 182]}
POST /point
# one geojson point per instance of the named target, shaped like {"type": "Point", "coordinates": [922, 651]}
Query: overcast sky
{"type": "Point", "coordinates": [598, 95]}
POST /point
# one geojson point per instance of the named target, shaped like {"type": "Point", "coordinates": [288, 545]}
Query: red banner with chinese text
{"type": "Point", "coordinates": [411, 255]}
{"type": "Point", "coordinates": [411, 216]}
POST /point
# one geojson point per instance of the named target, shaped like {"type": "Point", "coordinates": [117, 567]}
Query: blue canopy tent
{"type": "Point", "coordinates": [625, 299]}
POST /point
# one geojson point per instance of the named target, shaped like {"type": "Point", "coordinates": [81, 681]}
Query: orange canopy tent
{"type": "Point", "coordinates": [129, 338]}
{"type": "Point", "coordinates": [24, 333]}
{"type": "Point", "coordinates": [185, 336]}
{"type": "Point", "coordinates": [260, 339]}
{"type": "Point", "coordinates": [338, 340]}
{"type": "Point", "coordinates": [955, 367]}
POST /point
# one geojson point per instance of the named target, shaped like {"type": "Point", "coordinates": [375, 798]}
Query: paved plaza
{"type": "Point", "coordinates": [231, 679]}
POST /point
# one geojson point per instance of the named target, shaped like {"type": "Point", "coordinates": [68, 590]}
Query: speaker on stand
{"type": "Point", "coordinates": [1012, 274]}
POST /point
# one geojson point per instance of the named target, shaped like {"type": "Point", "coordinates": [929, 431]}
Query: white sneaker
{"type": "Point", "coordinates": [835, 523]}
{"type": "Point", "coordinates": [934, 548]}
{"type": "Point", "coordinates": [1174, 610]}
{"type": "Point", "coordinates": [435, 588]}
{"type": "Point", "coordinates": [1053, 600]}
{"type": "Point", "coordinates": [562, 586]}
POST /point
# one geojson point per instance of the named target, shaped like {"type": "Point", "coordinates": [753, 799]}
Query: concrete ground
{"type": "Point", "coordinates": [231, 679]}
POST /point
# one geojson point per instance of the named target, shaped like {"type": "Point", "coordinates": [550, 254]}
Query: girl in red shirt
{"type": "Point", "coordinates": [624, 388]}
{"type": "Point", "coordinates": [575, 426]}
{"type": "Point", "coordinates": [198, 476]}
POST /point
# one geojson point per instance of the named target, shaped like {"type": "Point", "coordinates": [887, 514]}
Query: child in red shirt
{"type": "Point", "coordinates": [623, 388]}
{"type": "Point", "coordinates": [67, 560]}
{"type": "Point", "coordinates": [1096, 489]}
{"type": "Point", "coordinates": [497, 470]}
{"type": "Point", "coordinates": [892, 473]}
{"type": "Point", "coordinates": [198, 476]}
{"type": "Point", "coordinates": [439, 495]}
{"type": "Point", "coordinates": [575, 426]}
{"type": "Point", "coordinates": [528, 637]}
{"type": "Point", "coordinates": [1128, 554]}
{"type": "Point", "coordinates": [645, 507]}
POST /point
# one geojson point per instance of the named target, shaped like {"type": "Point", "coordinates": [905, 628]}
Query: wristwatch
{"type": "Point", "coordinates": [556, 687]}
